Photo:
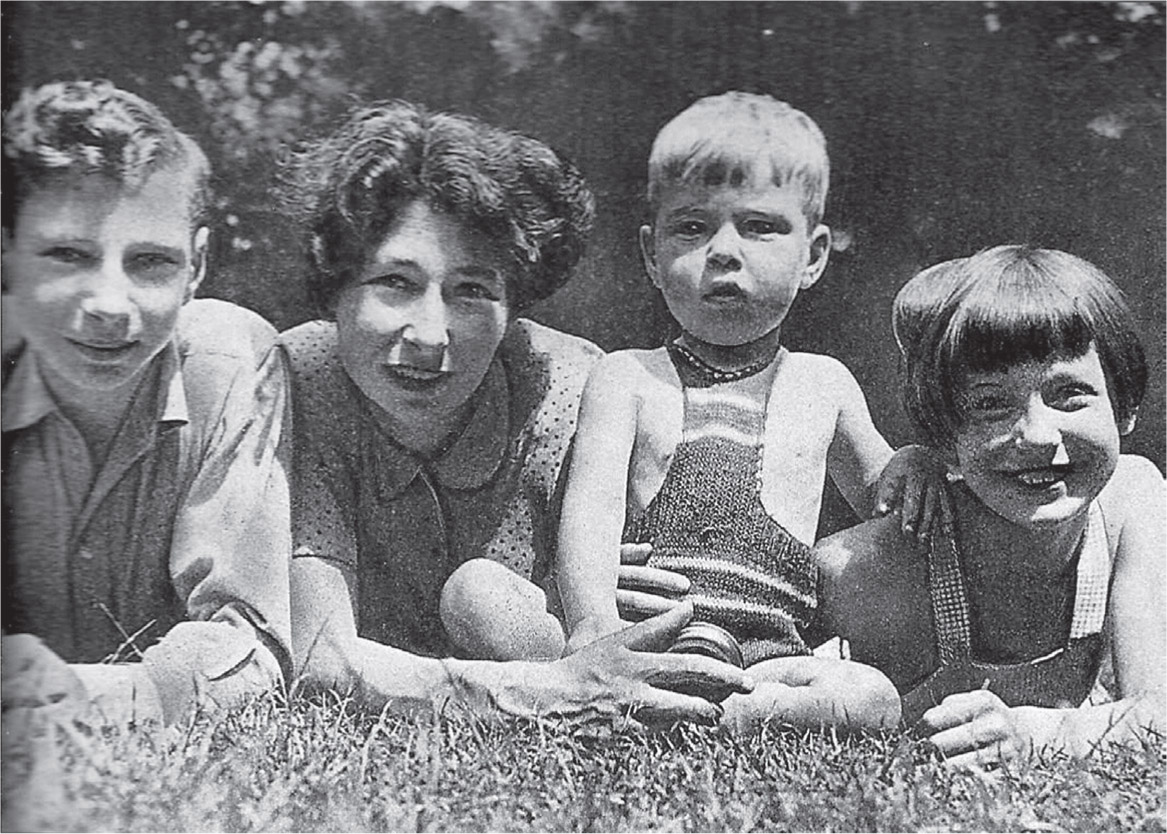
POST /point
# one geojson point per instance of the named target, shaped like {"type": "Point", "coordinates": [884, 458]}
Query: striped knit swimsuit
{"type": "Point", "coordinates": [1063, 678]}
{"type": "Point", "coordinates": [749, 575]}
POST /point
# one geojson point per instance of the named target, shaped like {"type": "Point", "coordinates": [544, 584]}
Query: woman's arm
{"type": "Point", "coordinates": [621, 677]}
{"type": "Point", "coordinates": [592, 518]}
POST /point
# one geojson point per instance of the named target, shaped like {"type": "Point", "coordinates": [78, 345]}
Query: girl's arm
{"type": "Point", "coordinates": [592, 519]}
{"type": "Point", "coordinates": [621, 678]}
{"type": "Point", "coordinates": [972, 727]}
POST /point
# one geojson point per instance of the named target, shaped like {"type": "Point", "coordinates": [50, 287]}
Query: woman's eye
{"type": "Point", "coordinates": [475, 292]}
{"type": "Point", "coordinates": [393, 280]}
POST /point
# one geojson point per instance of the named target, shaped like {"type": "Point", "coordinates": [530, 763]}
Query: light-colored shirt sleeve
{"type": "Point", "coordinates": [228, 561]}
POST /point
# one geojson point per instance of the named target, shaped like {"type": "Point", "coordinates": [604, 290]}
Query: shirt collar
{"type": "Point", "coordinates": [470, 461]}
{"type": "Point", "coordinates": [27, 400]}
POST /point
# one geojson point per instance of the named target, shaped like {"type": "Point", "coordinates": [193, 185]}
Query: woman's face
{"type": "Point", "coordinates": [1039, 440]}
{"type": "Point", "coordinates": [419, 325]}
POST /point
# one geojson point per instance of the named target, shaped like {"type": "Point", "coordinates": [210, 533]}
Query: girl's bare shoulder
{"type": "Point", "coordinates": [865, 551]}
{"type": "Point", "coordinates": [1136, 490]}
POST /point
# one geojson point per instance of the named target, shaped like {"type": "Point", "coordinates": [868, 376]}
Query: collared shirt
{"type": "Point", "coordinates": [174, 549]}
{"type": "Point", "coordinates": [401, 524]}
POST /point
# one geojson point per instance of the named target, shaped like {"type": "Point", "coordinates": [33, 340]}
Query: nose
{"type": "Point", "coordinates": [108, 300]}
{"type": "Point", "coordinates": [1038, 425]}
{"type": "Point", "coordinates": [428, 330]}
{"type": "Point", "coordinates": [724, 248]}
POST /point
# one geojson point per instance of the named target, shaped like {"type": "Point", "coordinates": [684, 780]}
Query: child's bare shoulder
{"type": "Point", "coordinates": [815, 374]}
{"type": "Point", "coordinates": [861, 550]}
{"type": "Point", "coordinates": [633, 366]}
{"type": "Point", "coordinates": [1136, 489]}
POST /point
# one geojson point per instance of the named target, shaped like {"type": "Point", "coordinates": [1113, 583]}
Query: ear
{"type": "Point", "coordinates": [820, 251]}
{"type": "Point", "coordinates": [1128, 425]}
{"type": "Point", "coordinates": [648, 252]}
{"type": "Point", "coordinates": [198, 261]}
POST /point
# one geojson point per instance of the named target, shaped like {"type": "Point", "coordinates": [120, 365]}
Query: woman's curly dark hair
{"type": "Point", "coordinates": [349, 188]}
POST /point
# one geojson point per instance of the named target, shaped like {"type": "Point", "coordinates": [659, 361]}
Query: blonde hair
{"type": "Point", "coordinates": [726, 139]}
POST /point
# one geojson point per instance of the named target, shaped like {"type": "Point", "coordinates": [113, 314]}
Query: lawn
{"type": "Point", "coordinates": [315, 765]}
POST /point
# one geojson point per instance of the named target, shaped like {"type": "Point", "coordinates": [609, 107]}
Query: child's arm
{"type": "Point", "coordinates": [972, 727]}
{"type": "Point", "coordinates": [858, 452]}
{"type": "Point", "coordinates": [594, 501]}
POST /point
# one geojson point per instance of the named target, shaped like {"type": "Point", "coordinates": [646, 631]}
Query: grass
{"type": "Point", "coordinates": [315, 765]}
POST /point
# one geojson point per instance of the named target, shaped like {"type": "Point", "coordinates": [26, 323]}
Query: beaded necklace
{"type": "Point", "coordinates": [718, 374]}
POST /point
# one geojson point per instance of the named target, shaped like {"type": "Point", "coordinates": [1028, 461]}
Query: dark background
{"type": "Point", "coordinates": [952, 127]}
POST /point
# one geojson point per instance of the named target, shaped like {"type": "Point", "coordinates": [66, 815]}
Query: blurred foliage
{"type": "Point", "coordinates": [953, 126]}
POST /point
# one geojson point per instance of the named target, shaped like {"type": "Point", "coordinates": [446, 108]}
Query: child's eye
{"type": "Point", "coordinates": [1072, 397]}
{"type": "Point", "coordinates": [150, 261]}
{"type": "Point", "coordinates": [984, 406]}
{"type": "Point", "coordinates": [759, 227]}
{"type": "Point", "coordinates": [688, 228]}
{"type": "Point", "coordinates": [67, 255]}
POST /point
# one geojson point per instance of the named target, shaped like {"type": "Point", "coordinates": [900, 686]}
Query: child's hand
{"type": "Point", "coordinates": [644, 592]}
{"type": "Point", "coordinates": [913, 484]}
{"type": "Point", "coordinates": [973, 729]}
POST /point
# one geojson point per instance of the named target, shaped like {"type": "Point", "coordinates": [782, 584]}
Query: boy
{"type": "Point", "coordinates": [714, 448]}
{"type": "Point", "coordinates": [143, 494]}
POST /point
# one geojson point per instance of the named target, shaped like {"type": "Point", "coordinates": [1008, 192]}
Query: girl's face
{"type": "Point", "coordinates": [419, 325]}
{"type": "Point", "coordinates": [1038, 441]}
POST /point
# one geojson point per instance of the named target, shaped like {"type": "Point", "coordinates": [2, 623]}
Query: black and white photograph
{"type": "Point", "coordinates": [456, 415]}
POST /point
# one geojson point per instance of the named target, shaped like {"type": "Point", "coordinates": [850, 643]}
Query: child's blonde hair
{"type": "Point", "coordinates": [727, 138]}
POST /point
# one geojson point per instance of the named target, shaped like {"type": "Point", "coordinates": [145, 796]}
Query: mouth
{"type": "Point", "coordinates": [729, 294]}
{"type": "Point", "coordinates": [1042, 477]}
{"type": "Point", "coordinates": [415, 378]}
{"type": "Point", "coordinates": [101, 351]}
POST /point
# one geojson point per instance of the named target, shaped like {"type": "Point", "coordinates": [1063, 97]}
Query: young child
{"type": "Point", "coordinates": [143, 495]}
{"type": "Point", "coordinates": [714, 448]}
{"type": "Point", "coordinates": [1024, 367]}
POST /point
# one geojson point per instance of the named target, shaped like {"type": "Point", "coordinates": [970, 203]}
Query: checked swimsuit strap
{"type": "Point", "coordinates": [749, 574]}
{"type": "Point", "coordinates": [1063, 678]}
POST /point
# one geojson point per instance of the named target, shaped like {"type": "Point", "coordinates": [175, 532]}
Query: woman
{"type": "Point", "coordinates": [432, 423]}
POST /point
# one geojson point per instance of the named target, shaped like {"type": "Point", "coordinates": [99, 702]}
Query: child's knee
{"type": "Point", "coordinates": [493, 613]}
{"type": "Point", "coordinates": [874, 703]}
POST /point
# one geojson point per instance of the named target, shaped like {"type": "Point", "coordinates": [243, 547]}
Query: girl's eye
{"type": "Point", "coordinates": [1072, 397]}
{"type": "Point", "coordinates": [986, 405]}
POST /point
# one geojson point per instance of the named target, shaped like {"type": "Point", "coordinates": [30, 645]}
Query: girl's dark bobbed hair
{"type": "Point", "coordinates": [1003, 306]}
{"type": "Point", "coordinates": [349, 187]}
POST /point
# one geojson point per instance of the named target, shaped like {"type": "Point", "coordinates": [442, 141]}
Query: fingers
{"type": "Point", "coordinates": [927, 520]}
{"type": "Point", "coordinates": [697, 675]}
{"type": "Point", "coordinates": [656, 580]}
{"type": "Point", "coordinates": [663, 708]}
{"type": "Point", "coordinates": [639, 605]}
{"type": "Point", "coordinates": [658, 632]}
{"type": "Point", "coordinates": [971, 727]}
{"type": "Point", "coordinates": [915, 488]}
{"type": "Point", "coordinates": [635, 554]}
{"type": "Point", "coordinates": [887, 494]}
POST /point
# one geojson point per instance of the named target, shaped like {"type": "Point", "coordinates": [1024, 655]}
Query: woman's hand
{"type": "Point", "coordinates": [912, 484]}
{"type": "Point", "coordinates": [643, 591]}
{"type": "Point", "coordinates": [975, 729]}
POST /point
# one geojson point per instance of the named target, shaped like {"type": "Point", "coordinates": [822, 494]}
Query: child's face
{"type": "Point", "coordinates": [730, 260]}
{"type": "Point", "coordinates": [1038, 442]}
{"type": "Point", "coordinates": [97, 274]}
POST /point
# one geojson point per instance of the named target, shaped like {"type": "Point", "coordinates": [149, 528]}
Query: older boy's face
{"type": "Point", "coordinates": [730, 260]}
{"type": "Point", "coordinates": [97, 274]}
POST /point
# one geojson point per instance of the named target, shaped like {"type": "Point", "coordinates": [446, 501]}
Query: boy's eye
{"type": "Point", "coordinates": [67, 255]}
{"type": "Point", "coordinates": [758, 226]}
{"type": "Point", "coordinates": [148, 261]}
{"type": "Point", "coordinates": [688, 228]}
